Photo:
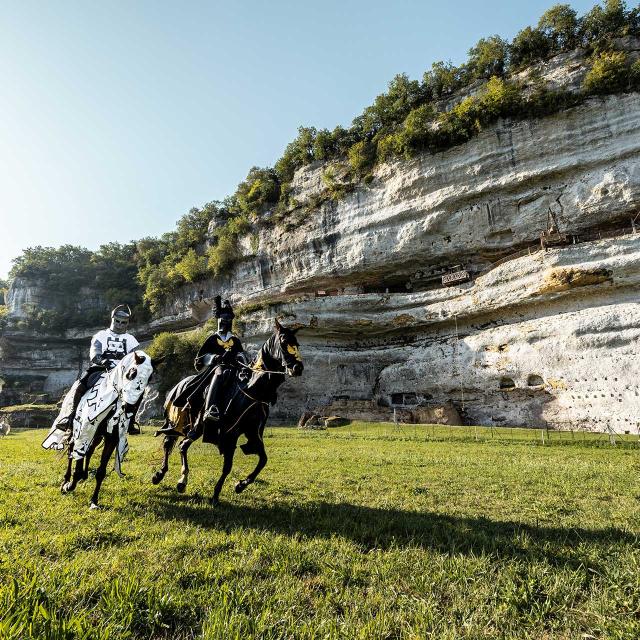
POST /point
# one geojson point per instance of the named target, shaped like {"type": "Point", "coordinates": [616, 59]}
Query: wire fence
{"type": "Point", "coordinates": [448, 433]}
{"type": "Point", "coordinates": [542, 436]}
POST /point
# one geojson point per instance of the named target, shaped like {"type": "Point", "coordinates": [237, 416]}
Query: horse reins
{"type": "Point", "coordinates": [246, 366]}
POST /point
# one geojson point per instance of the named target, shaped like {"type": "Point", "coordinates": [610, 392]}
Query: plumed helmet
{"type": "Point", "coordinates": [120, 317]}
{"type": "Point", "coordinates": [224, 313]}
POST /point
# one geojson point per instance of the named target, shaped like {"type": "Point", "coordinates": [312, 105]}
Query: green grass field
{"type": "Point", "coordinates": [359, 532]}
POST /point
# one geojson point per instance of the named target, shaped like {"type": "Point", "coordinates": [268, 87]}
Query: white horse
{"type": "Point", "coordinates": [103, 413]}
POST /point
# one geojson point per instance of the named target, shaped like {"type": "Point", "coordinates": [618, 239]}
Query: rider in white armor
{"type": "Point", "coordinates": [107, 348]}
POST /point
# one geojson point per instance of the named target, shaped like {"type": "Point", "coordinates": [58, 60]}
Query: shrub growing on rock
{"type": "Point", "coordinates": [227, 249]}
{"type": "Point", "coordinates": [259, 191]}
{"type": "Point", "coordinates": [180, 349]}
{"type": "Point", "coordinates": [608, 74]}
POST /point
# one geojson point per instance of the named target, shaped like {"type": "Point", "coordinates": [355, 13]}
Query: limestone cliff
{"type": "Point", "coordinates": [546, 338]}
{"type": "Point", "coordinates": [542, 338]}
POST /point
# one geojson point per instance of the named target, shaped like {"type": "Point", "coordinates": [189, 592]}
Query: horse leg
{"type": "Point", "coordinates": [184, 477]}
{"type": "Point", "coordinates": [168, 444]}
{"type": "Point", "coordinates": [71, 480]}
{"type": "Point", "coordinates": [228, 453]}
{"type": "Point", "coordinates": [262, 461]}
{"type": "Point", "coordinates": [110, 444]}
{"type": "Point", "coordinates": [87, 458]}
{"type": "Point", "coordinates": [67, 474]}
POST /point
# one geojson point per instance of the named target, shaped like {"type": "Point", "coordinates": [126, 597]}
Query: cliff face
{"type": "Point", "coordinates": [546, 338]}
{"type": "Point", "coordinates": [543, 339]}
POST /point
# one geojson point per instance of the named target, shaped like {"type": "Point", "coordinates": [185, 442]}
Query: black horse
{"type": "Point", "coordinates": [247, 409]}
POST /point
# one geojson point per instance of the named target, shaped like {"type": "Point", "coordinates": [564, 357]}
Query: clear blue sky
{"type": "Point", "coordinates": [117, 117]}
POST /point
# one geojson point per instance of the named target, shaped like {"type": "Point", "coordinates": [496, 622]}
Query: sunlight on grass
{"type": "Point", "coordinates": [403, 532]}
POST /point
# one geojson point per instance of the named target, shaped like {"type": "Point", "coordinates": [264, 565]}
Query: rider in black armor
{"type": "Point", "coordinates": [225, 348]}
{"type": "Point", "coordinates": [107, 348]}
{"type": "Point", "coordinates": [202, 395]}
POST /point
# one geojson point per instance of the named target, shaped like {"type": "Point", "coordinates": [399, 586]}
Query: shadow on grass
{"type": "Point", "coordinates": [373, 528]}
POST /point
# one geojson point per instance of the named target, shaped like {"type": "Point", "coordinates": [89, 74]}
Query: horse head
{"type": "Point", "coordinates": [132, 375]}
{"type": "Point", "coordinates": [287, 350]}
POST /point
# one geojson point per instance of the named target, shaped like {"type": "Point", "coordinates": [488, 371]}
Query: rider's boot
{"type": "Point", "coordinates": [212, 424]}
{"type": "Point", "coordinates": [66, 423]}
{"type": "Point", "coordinates": [212, 416]}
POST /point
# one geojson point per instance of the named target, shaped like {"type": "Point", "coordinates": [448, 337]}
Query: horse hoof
{"type": "Point", "coordinates": [156, 478]}
{"type": "Point", "coordinates": [181, 487]}
{"type": "Point", "coordinates": [241, 486]}
{"type": "Point", "coordinates": [214, 502]}
{"type": "Point", "coordinates": [93, 506]}
{"type": "Point", "coordinates": [66, 488]}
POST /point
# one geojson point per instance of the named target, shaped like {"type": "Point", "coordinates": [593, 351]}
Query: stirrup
{"type": "Point", "coordinates": [212, 415]}
{"type": "Point", "coordinates": [167, 431]}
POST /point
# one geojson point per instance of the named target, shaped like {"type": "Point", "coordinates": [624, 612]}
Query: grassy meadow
{"type": "Point", "coordinates": [365, 531]}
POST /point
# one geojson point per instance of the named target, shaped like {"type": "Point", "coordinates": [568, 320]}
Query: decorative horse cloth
{"type": "Point", "coordinates": [107, 400]}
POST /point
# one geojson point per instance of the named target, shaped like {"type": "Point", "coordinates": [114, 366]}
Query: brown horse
{"type": "Point", "coordinates": [246, 413]}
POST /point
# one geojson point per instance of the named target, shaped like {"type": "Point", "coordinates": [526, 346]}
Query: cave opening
{"type": "Point", "coordinates": [507, 383]}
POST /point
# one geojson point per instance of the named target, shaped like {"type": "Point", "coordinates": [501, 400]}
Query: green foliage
{"type": "Point", "coordinates": [603, 23]}
{"type": "Point", "coordinates": [191, 267]}
{"type": "Point", "coordinates": [488, 57]}
{"type": "Point", "coordinates": [259, 191]}
{"type": "Point", "coordinates": [180, 350]}
{"type": "Point", "coordinates": [560, 26]}
{"type": "Point", "coordinates": [443, 79]}
{"type": "Point", "coordinates": [361, 157]}
{"type": "Point", "coordinates": [297, 154]}
{"type": "Point", "coordinates": [389, 108]}
{"type": "Point", "coordinates": [226, 250]}
{"type": "Point", "coordinates": [528, 47]}
{"type": "Point", "coordinates": [634, 75]}
{"type": "Point", "coordinates": [178, 257]}
{"type": "Point", "coordinates": [414, 135]}
{"type": "Point", "coordinates": [364, 531]}
{"type": "Point", "coordinates": [608, 74]}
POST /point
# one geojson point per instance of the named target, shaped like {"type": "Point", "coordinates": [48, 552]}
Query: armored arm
{"type": "Point", "coordinates": [209, 347]}
{"type": "Point", "coordinates": [96, 354]}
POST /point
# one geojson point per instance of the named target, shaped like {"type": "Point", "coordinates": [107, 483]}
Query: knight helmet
{"type": "Point", "coordinates": [225, 315]}
{"type": "Point", "coordinates": [120, 317]}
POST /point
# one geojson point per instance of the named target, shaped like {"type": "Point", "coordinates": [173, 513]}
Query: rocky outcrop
{"type": "Point", "coordinates": [26, 416]}
{"type": "Point", "coordinates": [36, 368]}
